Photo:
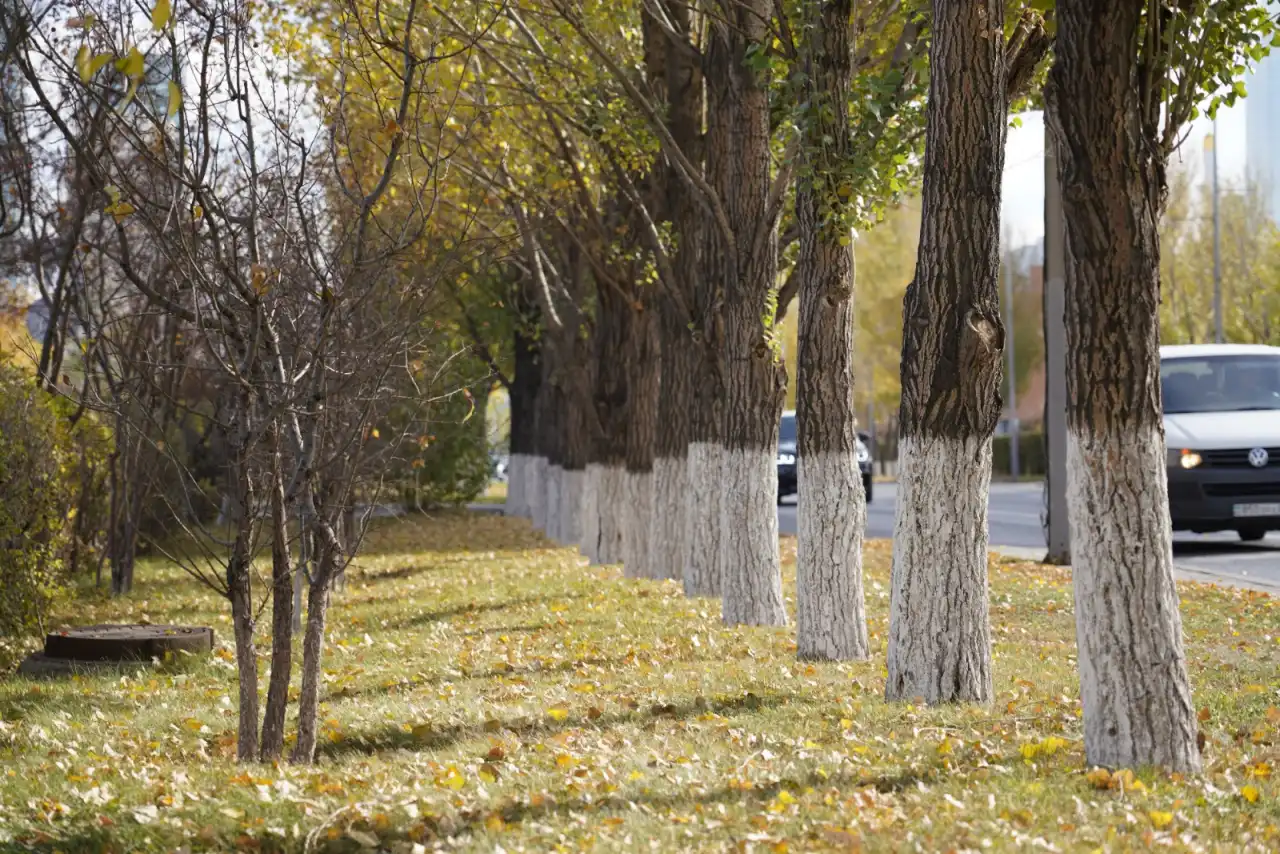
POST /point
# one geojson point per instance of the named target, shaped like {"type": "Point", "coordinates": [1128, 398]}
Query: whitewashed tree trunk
{"type": "Point", "coordinates": [535, 491]}
{"type": "Point", "coordinates": [572, 482]}
{"type": "Point", "coordinates": [750, 566]}
{"type": "Point", "coordinates": [592, 509]}
{"type": "Point", "coordinates": [554, 477]}
{"type": "Point", "coordinates": [670, 517]}
{"type": "Point", "coordinates": [939, 628]}
{"type": "Point", "coordinates": [637, 515]}
{"type": "Point", "coordinates": [832, 514]}
{"type": "Point", "coordinates": [702, 543]}
{"type": "Point", "coordinates": [613, 512]}
{"type": "Point", "coordinates": [516, 504]}
{"type": "Point", "coordinates": [1133, 678]}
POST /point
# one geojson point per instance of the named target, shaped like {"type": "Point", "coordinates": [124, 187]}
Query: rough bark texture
{"type": "Point", "coordinates": [240, 592]}
{"type": "Point", "coordinates": [946, 657]}
{"type": "Point", "coordinates": [643, 375]}
{"type": "Point", "coordinates": [592, 507]}
{"type": "Point", "coordinates": [1133, 677]}
{"type": "Point", "coordinates": [526, 379]}
{"type": "Point", "coordinates": [613, 496]}
{"type": "Point", "coordinates": [705, 476]}
{"type": "Point", "coordinates": [672, 507]}
{"type": "Point", "coordinates": [754, 376]}
{"type": "Point", "coordinates": [952, 362]}
{"type": "Point", "coordinates": [831, 506]}
{"type": "Point", "coordinates": [272, 746]}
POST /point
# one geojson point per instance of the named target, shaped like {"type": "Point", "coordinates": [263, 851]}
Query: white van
{"type": "Point", "coordinates": [1222, 431]}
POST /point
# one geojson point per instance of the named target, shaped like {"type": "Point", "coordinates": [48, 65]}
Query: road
{"type": "Point", "coordinates": [1015, 522]}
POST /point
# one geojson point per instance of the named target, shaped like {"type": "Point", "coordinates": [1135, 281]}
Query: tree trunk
{"type": "Point", "coordinates": [754, 378]}
{"type": "Point", "coordinates": [1133, 677]}
{"type": "Point", "coordinates": [604, 510]}
{"type": "Point", "coordinates": [525, 380]}
{"type": "Point", "coordinates": [304, 750]}
{"type": "Point", "coordinates": [643, 376]}
{"type": "Point", "coordinates": [240, 592]}
{"type": "Point", "coordinates": [831, 618]}
{"type": "Point", "coordinates": [706, 449]}
{"type": "Point", "coordinates": [539, 488]}
{"type": "Point", "coordinates": [952, 362]}
{"type": "Point", "coordinates": [273, 718]}
{"type": "Point", "coordinates": [671, 495]}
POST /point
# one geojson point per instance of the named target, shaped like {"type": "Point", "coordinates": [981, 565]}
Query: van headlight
{"type": "Point", "coordinates": [864, 453]}
{"type": "Point", "coordinates": [786, 459]}
{"type": "Point", "coordinates": [1184, 458]}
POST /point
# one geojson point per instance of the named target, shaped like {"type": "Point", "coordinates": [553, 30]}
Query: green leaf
{"type": "Point", "coordinates": [160, 14]}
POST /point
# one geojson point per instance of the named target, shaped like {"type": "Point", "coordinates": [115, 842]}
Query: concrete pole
{"type": "Point", "coordinates": [1057, 527]}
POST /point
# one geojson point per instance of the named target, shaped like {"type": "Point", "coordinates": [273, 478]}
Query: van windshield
{"type": "Point", "coordinates": [1220, 383]}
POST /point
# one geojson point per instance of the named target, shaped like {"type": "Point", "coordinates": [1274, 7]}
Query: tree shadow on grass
{"type": "Point", "coordinates": [390, 739]}
{"type": "Point", "coordinates": [464, 609]}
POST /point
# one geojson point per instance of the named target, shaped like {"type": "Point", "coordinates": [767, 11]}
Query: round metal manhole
{"type": "Point", "coordinates": [126, 642]}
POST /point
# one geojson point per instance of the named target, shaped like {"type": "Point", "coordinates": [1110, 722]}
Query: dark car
{"type": "Point", "coordinates": [787, 481]}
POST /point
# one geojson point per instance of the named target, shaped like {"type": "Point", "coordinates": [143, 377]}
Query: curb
{"type": "Point", "coordinates": [1183, 573]}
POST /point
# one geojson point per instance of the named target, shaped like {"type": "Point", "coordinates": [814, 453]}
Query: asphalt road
{"type": "Point", "coordinates": [1015, 522]}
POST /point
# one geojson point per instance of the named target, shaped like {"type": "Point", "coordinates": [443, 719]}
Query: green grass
{"type": "Point", "coordinates": [494, 493]}
{"type": "Point", "coordinates": [484, 690]}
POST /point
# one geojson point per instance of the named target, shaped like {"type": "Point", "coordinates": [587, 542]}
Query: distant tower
{"type": "Point", "coordinates": [1262, 128]}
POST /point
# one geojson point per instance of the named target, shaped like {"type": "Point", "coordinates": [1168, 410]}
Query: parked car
{"type": "Point", "coordinates": [1222, 436]}
{"type": "Point", "coordinates": [787, 437]}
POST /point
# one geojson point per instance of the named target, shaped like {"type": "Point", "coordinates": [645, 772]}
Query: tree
{"type": "Point", "coordinates": [836, 192]}
{"type": "Point", "coordinates": [952, 359]}
{"type": "Point", "coordinates": [1127, 77]}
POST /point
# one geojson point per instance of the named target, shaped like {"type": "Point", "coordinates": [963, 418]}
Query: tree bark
{"type": "Point", "coordinates": [526, 377]}
{"type": "Point", "coordinates": [604, 509]}
{"type": "Point", "coordinates": [952, 364]}
{"type": "Point", "coordinates": [643, 376]}
{"type": "Point", "coordinates": [754, 377]}
{"type": "Point", "coordinates": [272, 745]}
{"type": "Point", "coordinates": [304, 749]}
{"type": "Point", "coordinates": [1133, 678]}
{"type": "Point", "coordinates": [831, 507]}
{"type": "Point", "coordinates": [240, 592]}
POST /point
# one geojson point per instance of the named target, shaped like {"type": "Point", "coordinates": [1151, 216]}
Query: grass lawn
{"type": "Point", "coordinates": [494, 493]}
{"type": "Point", "coordinates": [487, 692]}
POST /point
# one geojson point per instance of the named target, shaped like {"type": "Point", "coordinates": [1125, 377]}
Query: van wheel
{"type": "Point", "coordinates": [1251, 535]}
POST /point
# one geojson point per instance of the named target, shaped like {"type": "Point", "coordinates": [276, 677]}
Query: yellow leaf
{"type": "Point", "coordinates": [133, 65]}
{"type": "Point", "coordinates": [1250, 794]}
{"type": "Point", "coordinates": [558, 713]}
{"type": "Point", "coordinates": [175, 102]}
{"type": "Point", "coordinates": [160, 14]}
{"type": "Point", "coordinates": [1100, 778]}
{"type": "Point", "coordinates": [564, 760]}
{"type": "Point", "coordinates": [944, 747]}
{"type": "Point", "coordinates": [197, 212]}
{"type": "Point", "coordinates": [1262, 770]}
{"type": "Point", "coordinates": [488, 773]}
{"type": "Point", "coordinates": [1160, 820]}
{"type": "Point", "coordinates": [494, 823]}
{"type": "Point", "coordinates": [89, 65]}
{"type": "Point", "coordinates": [374, 432]}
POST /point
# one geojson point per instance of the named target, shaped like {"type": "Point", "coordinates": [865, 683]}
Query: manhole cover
{"type": "Point", "coordinates": [126, 643]}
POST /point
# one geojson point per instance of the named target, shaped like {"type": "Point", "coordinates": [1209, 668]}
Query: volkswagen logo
{"type": "Point", "coordinates": [1259, 457]}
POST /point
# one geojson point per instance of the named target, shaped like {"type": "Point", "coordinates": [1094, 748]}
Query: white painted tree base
{"type": "Point", "coordinates": [1137, 700]}
{"type": "Point", "coordinates": [750, 567]}
{"type": "Point", "coordinates": [592, 508]}
{"type": "Point", "coordinates": [572, 486]}
{"type": "Point", "coordinates": [613, 511]}
{"type": "Point", "coordinates": [701, 573]}
{"type": "Point", "coordinates": [553, 476]}
{"type": "Point", "coordinates": [831, 621]}
{"type": "Point", "coordinates": [636, 519]}
{"type": "Point", "coordinates": [535, 492]}
{"type": "Point", "coordinates": [517, 504]}
{"type": "Point", "coordinates": [670, 517]}
{"type": "Point", "coordinates": [939, 628]}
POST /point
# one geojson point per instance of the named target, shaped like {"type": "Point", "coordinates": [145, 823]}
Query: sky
{"type": "Point", "coordinates": [1022, 211]}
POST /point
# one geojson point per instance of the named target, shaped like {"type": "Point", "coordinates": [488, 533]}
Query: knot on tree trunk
{"type": "Point", "coordinates": [981, 365]}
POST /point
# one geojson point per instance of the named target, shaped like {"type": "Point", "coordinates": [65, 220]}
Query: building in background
{"type": "Point", "coordinates": [1262, 129]}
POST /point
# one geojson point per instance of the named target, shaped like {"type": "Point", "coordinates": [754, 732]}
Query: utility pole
{"type": "Point", "coordinates": [1057, 524]}
{"type": "Point", "coordinates": [1217, 243]}
{"type": "Point", "coordinates": [1014, 428]}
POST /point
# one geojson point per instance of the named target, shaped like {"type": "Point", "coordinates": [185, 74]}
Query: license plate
{"type": "Point", "coordinates": [1249, 511]}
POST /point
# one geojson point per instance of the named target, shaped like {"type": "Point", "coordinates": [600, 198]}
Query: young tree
{"type": "Point", "coordinates": [952, 360]}
{"type": "Point", "coordinates": [1127, 78]}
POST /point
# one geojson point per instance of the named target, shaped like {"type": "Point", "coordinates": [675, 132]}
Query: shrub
{"type": "Point", "coordinates": [38, 475]}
